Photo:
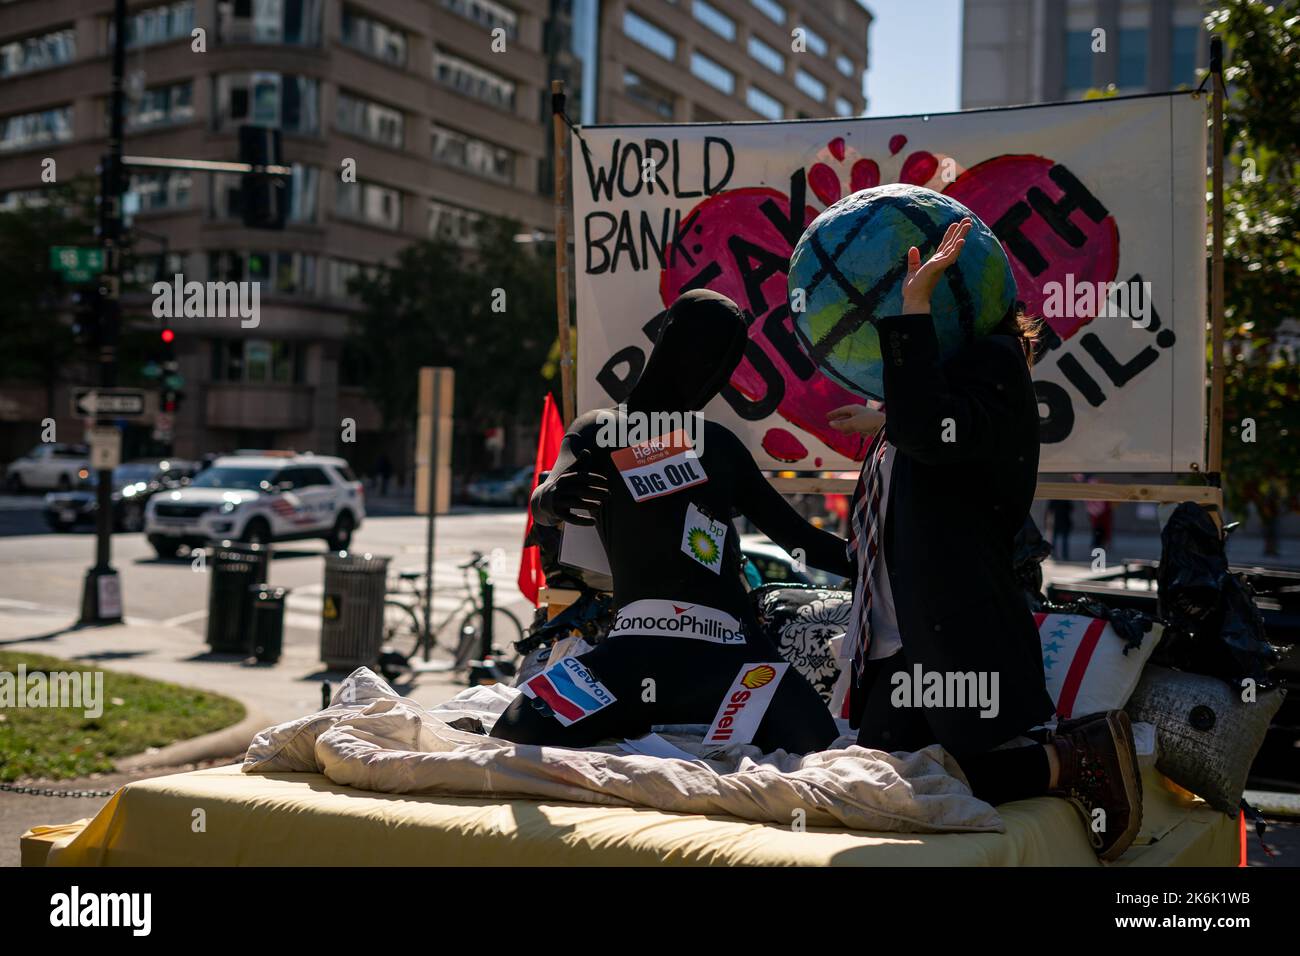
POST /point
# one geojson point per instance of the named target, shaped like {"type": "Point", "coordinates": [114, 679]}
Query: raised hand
{"type": "Point", "coordinates": [921, 279]}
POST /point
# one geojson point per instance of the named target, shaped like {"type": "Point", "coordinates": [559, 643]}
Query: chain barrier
{"type": "Point", "coordinates": [51, 792]}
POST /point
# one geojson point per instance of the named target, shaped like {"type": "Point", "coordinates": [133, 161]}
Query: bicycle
{"type": "Point", "coordinates": [454, 650]}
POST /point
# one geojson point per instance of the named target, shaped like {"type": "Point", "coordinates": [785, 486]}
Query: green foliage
{"type": "Point", "coordinates": [487, 312]}
{"type": "Point", "coordinates": [1261, 253]}
{"type": "Point", "coordinates": [62, 742]}
{"type": "Point", "coordinates": [37, 344]}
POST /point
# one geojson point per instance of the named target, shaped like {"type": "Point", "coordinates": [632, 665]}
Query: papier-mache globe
{"type": "Point", "coordinates": [850, 264]}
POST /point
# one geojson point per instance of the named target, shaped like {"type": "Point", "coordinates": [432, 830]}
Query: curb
{"type": "Point", "coordinates": [227, 742]}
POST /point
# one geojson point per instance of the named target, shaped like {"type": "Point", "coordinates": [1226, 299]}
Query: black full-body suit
{"type": "Point", "coordinates": [670, 680]}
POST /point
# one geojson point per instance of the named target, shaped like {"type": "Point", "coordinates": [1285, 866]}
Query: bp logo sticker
{"type": "Point", "coordinates": [702, 539]}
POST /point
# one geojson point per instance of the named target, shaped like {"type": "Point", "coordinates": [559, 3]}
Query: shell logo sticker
{"type": "Point", "coordinates": [745, 704]}
{"type": "Point", "coordinates": [760, 675]}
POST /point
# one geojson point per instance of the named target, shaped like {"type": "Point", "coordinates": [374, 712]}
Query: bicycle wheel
{"type": "Point", "coordinates": [506, 630]}
{"type": "Point", "coordinates": [402, 630]}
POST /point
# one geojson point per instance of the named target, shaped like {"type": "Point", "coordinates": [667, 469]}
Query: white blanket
{"type": "Point", "coordinates": [372, 738]}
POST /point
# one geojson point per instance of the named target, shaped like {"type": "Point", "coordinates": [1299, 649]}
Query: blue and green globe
{"type": "Point", "coordinates": [851, 262]}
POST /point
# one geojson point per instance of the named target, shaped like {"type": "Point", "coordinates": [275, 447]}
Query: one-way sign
{"type": "Point", "coordinates": [113, 402]}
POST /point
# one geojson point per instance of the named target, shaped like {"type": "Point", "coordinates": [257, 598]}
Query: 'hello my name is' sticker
{"type": "Point", "coordinates": [659, 466]}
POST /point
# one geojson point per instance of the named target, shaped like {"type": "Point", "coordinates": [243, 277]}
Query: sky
{"type": "Point", "coordinates": [914, 57]}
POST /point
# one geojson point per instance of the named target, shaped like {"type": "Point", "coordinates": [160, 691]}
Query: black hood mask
{"type": "Point", "coordinates": [700, 343]}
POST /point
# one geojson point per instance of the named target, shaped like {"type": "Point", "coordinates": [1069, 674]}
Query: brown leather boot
{"type": "Point", "coordinates": [1099, 771]}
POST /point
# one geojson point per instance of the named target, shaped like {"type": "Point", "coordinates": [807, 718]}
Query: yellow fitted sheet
{"type": "Point", "coordinates": [302, 819]}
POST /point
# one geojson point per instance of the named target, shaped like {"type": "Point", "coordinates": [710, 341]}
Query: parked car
{"type": "Point", "coordinates": [766, 562]}
{"type": "Point", "coordinates": [134, 483]}
{"type": "Point", "coordinates": [505, 486]}
{"type": "Point", "coordinates": [48, 466]}
{"type": "Point", "coordinates": [258, 498]}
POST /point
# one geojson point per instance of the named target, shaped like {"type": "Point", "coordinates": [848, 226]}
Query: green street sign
{"type": "Point", "coordinates": [77, 263]}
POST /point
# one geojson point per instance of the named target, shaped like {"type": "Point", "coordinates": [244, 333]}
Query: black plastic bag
{"type": "Point", "coordinates": [1212, 624]}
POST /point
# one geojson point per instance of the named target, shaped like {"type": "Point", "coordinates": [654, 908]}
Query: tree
{"type": "Point", "coordinates": [1261, 258]}
{"type": "Point", "coordinates": [39, 344]}
{"type": "Point", "coordinates": [486, 311]}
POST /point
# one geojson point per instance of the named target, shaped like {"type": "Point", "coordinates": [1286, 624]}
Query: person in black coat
{"type": "Point", "coordinates": [945, 649]}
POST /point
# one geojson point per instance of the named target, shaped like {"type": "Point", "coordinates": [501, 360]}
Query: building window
{"type": "Point", "coordinates": [369, 120]}
{"type": "Point", "coordinates": [810, 85]}
{"type": "Point", "coordinates": [36, 129]}
{"type": "Point", "coordinates": [713, 73]}
{"type": "Point", "coordinates": [644, 32]}
{"type": "Point", "coordinates": [1078, 60]}
{"type": "Point", "coordinates": [451, 223]}
{"type": "Point", "coordinates": [650, 95]}
{"type": "Point", "coordinates": [258, 361]}
{"type": "Point", "coordinates": [38, 53]}
{"type": "Point", "coordinates": [290, 103]}
{"type": "Point", "coordinates": [369, 203]}
{"type": "Point", "coordinates": [770, 9]}
{"type": "Point", "coordinates": [714, 19]}
{"type": "Point", "coordinates": [843, 107]}
{"type": "Point", "coordinates": [770, 57]}
{"type": "Point", "coordinates": [815, 41]}
{"type": "Point", "coordinates": [844, 64]}
{"type": "Point", "coordinates": [472, 154]}
{"type": "Point", "coordinates": [150, 192]}
{"type": "Point", "coordinates": [1182, 55]}
{"type": "Point", "coordinates": [1132, 70]}
{"type": "Point", "coordinates": [486, 14]}
{"type": "Point", "coordinates": [157, 24]}
{"type": "Point", "coordinates": [340, 272]}
{"type": "Point", "coordinates": [373, 38]}
{"type": "Point", "coordinates": [766, 106]}
{"type": "Point", "coordinates": [473, 81]}
{"type": "Point", "coordinates": [295, 22]}
{"type": "Point", "coordinates": [161, 106]}
{"type": "Point", "coordinates": [304, 190]}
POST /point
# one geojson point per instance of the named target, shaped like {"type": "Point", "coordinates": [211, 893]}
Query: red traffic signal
{"type": "Point", "coordinates": [168, 336]}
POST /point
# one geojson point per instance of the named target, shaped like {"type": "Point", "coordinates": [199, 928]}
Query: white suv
{"type": "Point", "coordinates": [49, 467]}
{"type": "Point", "coordinates": [259, 498]}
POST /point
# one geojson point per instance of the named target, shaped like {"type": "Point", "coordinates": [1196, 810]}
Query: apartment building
{"type": "Point", "coordinates": [440, 127]}
{"type": "Point", "coordinates": [1041, 51]}
{"type": "Point", "coordinates": [442, 124]}
{"type": "Point", "coordinates": [714, 60]}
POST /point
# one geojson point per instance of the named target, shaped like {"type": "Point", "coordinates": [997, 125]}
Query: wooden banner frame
{"type": "Point", "coordinates": [1210, 494]}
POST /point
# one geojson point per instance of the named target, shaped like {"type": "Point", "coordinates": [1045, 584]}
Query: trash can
{"type": "Point", "coordinates": [234, 568]}
{"type": "Point", "coordinates": [268, 622]}
{"type": "Point", "coordinates": [352, 610]}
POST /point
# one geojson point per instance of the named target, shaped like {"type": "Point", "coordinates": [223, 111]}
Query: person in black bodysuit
{"type": "Point", "coordinates": [655, 678]}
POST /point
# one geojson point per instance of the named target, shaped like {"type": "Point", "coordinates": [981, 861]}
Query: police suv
{"type": "Point", "coordinates": [259, 497]}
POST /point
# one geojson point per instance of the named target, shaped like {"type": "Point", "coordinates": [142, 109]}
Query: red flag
{"type": "Point", "coordinates": [548, 449]}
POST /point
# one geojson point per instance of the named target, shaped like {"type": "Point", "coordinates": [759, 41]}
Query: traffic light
{"type": "Point", "coordinates": [168, 336]}
{"type": "Point", "coordinates": [263, 197]}
{"type": "Point", "coordinates": [87, 314]}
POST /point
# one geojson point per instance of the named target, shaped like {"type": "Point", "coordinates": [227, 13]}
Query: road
{"type": "Point", "coordinates": [44, 570]}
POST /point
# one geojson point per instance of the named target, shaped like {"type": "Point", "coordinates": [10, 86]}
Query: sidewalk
{"type": "Point", "coordinates": [278, 692]}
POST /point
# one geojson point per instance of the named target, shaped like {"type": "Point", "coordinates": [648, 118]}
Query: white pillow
{"type": "Point", "coordinates": [1087, 666]}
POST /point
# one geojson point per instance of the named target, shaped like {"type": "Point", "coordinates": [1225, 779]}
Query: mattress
{"type": "Point", "coordinates": [222, 817]}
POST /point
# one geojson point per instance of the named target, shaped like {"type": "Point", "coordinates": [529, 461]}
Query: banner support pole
{"type": "Point", "coordinates": [561, 191]}
{"type": "Point", "coordinates": [1216, 264]}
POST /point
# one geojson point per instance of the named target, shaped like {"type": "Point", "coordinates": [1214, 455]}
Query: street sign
{"type": "Point", "coordinates": [113, 402]}
{"type": "Point", "coordinates": [77, 263]}
{"type": "Point", "coordinates": [105, 448]}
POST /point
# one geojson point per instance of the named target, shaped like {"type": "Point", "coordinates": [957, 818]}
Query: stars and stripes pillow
{"type": "Point", "coordinates": [1088, 667]}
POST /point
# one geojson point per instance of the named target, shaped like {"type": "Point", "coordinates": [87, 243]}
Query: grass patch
{"type": "Point", "coordinates": [61, 742]}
